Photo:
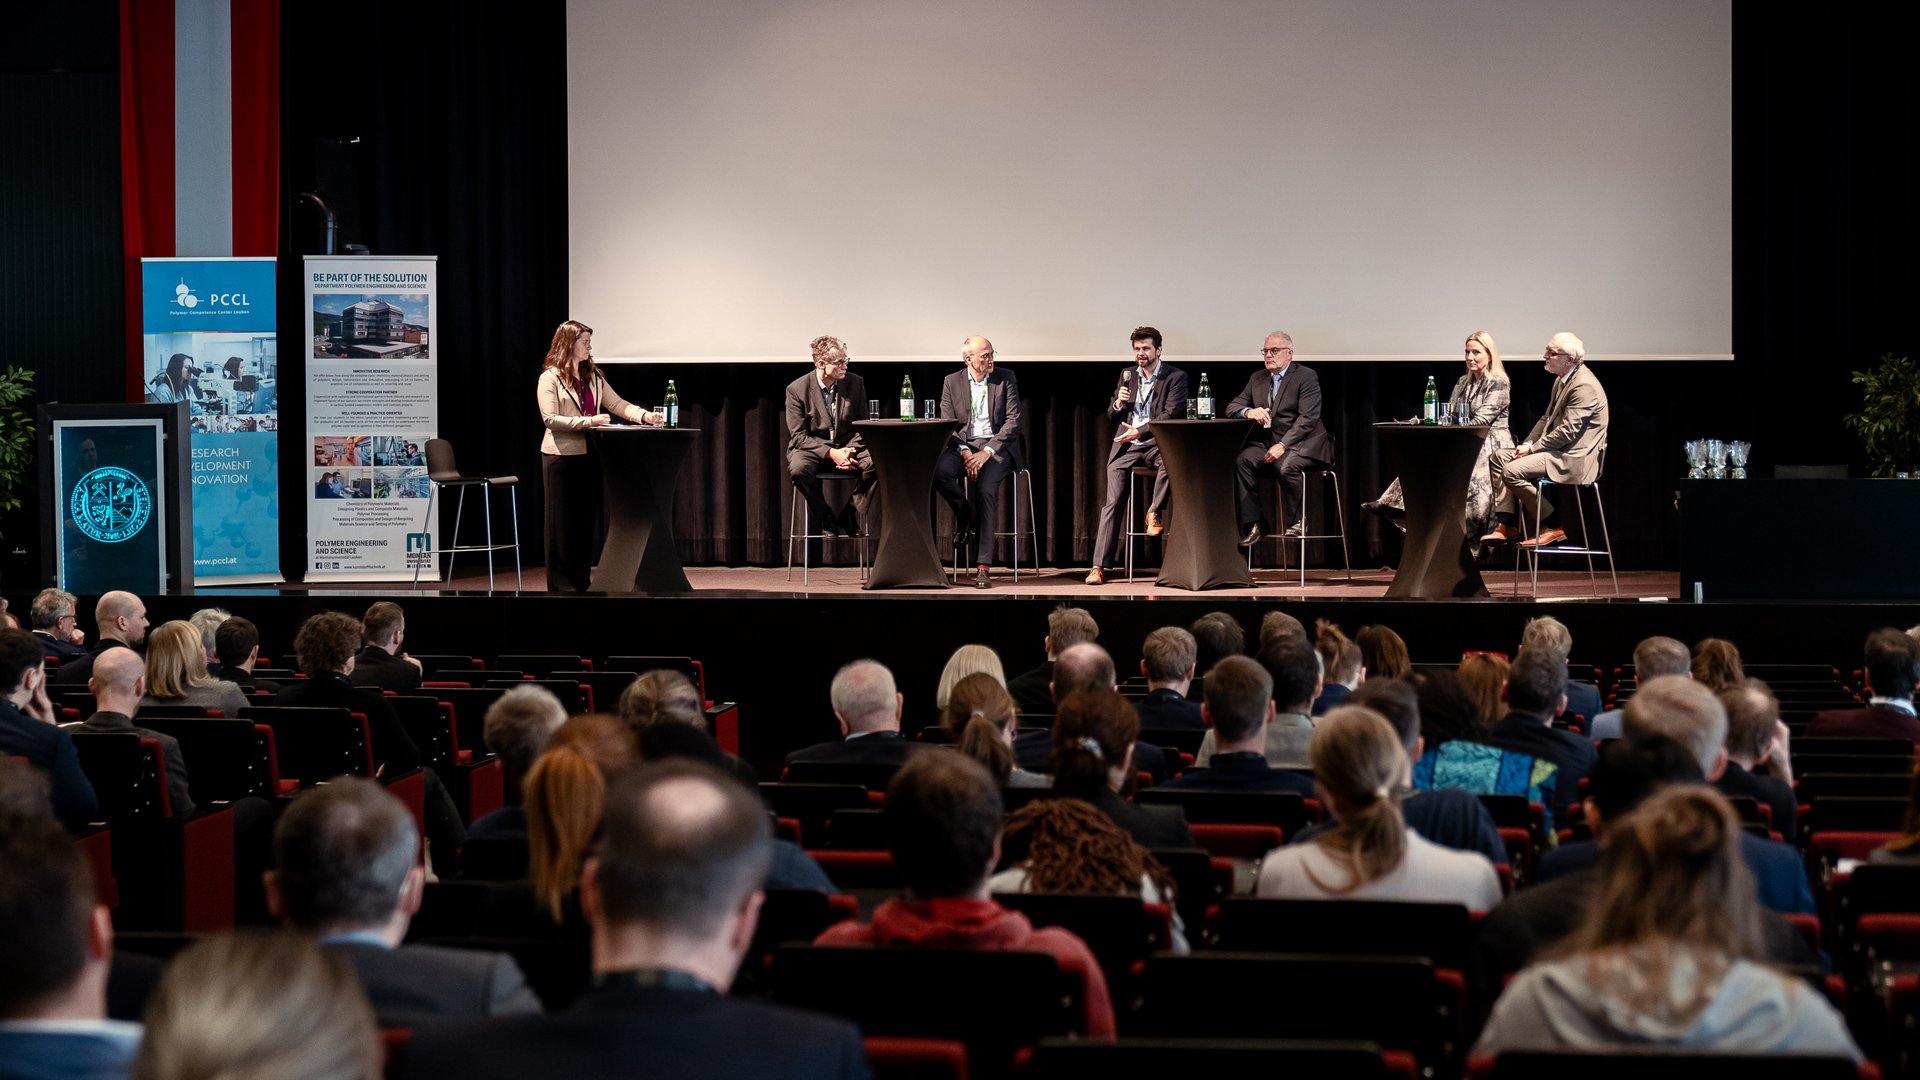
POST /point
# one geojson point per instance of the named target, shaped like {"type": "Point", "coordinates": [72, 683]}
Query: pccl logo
{"type": "Point", "coordinates": [183, 295]}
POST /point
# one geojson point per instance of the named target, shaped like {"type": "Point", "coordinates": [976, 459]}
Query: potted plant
{"type": "Point", "coordinates": [16, 438]}
{"type": "Point", "coordinates": [1889, 418]}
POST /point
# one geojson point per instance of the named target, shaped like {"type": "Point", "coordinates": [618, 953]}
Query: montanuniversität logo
{"type": "Point", "coordinates": [110, 504]}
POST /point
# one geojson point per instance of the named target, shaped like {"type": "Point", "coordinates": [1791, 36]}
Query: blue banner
{"type": "Point", "coordinates": [209, 341]}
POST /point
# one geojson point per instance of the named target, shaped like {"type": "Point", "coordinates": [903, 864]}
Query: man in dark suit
{"type": "Point", "coordinates": [1148, 391]}
{"type": "Point", "coordinates": [121, 621]}
{"type": "Point", "coordinates": [236, 641]}
{"type": "Point", "coordinates": [27, 728]}
{"type": "Point", "coordinates": [1758, 763]}
{"type": "Point", "coordinates": [1549, 633]}
{"type": "Point", "coordinates": [1239, 704]}
{"type": "Point", "coordinates": [1284, 401]}
{"type": "Point", "coordinates": [1564, 446]}
{"type": "Point", "coordinates": [56, 624]}
{"type": "Point", "coordinates": [1084, 666]}
{"type": "Point", "coordinates": [1893, 667]}
{"type": "Point", "coordinates": [1067, 626]}
{"type": "Point", "coordinates": [119, 682]}
{"type": "Point", "coordinates": [347, 870]}
{"type": "Point", "coordinates": [382, 663]}
{"type": "Point", "coordinates": [1535, 693]}
{"type": "Point", "coordinates": [671, 892]}
{"type": "Point", "coordinates": [1167, 660]}
{"type": "Point", "coordinates": [868, 708]}
{"type": "Point", "coordinates": [983, 452]}
{"type": "Point", "coordinates": [821, 409]}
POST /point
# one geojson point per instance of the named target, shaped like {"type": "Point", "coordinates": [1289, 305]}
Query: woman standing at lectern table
{"type": "Point", "coordinates": [1486, 392]}
{"type": "Point", "coordinates": [574, 399]}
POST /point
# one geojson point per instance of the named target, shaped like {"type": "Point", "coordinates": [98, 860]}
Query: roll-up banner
{"type": "Point", "coordinates": [371, 407]}
{"type": "Point", "coordinates": [208, 341]}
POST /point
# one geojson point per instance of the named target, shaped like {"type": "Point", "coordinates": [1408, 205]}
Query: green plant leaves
{"type": "Point", "coordinates": [1888, 422]}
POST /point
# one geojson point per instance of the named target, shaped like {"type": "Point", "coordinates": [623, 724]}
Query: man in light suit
{"type": "Point", "coordinates": [985, 449]}
{"type": "Point", "coordinates": [1284, 399]}
{"type": "Point", "coordinates": [821, 409]}
{"type": "Point", "coordinates": [1564, 446]}
{"type": "Point", "coordinates": [1148, 391]}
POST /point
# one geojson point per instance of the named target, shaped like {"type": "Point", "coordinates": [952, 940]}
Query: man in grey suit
{"type": "Point", "coordinates": [347, 870]}
{"type": "Point", "coordinates": [821, 409]}
{"type": "Point", "coordinates": [1148, 391]}
{"type": "Point", "coordinates": [1284, 399]}
{"type": "Point", "coordinates": [985, 449]}
{"type": "Point", "coordinates": [1564, 446]}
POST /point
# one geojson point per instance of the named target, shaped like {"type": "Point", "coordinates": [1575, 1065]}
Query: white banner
{"type": "Point", "coordinates": [371, 407]}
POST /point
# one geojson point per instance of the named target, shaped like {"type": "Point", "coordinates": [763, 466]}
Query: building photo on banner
{"type": "Point", "coordinates": [371, 408]}
{"type": "Point", "coordinates": [208, 340]}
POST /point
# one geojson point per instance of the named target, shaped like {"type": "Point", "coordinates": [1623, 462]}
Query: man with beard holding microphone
{"type": "Point", "coordinates": [1148, 390]}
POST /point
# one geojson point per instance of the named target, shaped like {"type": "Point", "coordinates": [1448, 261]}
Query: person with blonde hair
{"type": "Point", "coordinates": [1359, 765]}
{"type": "Point", "coordinates": [177, 672]}
{"type": "Point", "coordinates": [980, 718]}
{"type": "Point", "coordinates": [1669, 953]}
{"type": "Point", "coordinates": [1485, 393]}
{"type": "Point", "coordinates": [967, 660]}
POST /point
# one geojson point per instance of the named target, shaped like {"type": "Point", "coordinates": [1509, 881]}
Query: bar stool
{"type": "Point", "coordinates": [1022, 480]}
{"type": "Point", "coordinates": [1323, 472]}
{"type": "Point", "coordinates": [797, 507]}
{"type": "Point", "coordinates": [1586, 547]}
{"type": "Point", "coordinates": [443, 473]}
{"type": "Point", "coordinates": [1137, 474]}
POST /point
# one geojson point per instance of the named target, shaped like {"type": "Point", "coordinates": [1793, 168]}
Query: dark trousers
{"type": "Point", "coordinates": [1120, 474]}
{"type": "Point", "coordinates": [574, 491]}
{"type": "Point", "coordinates": [1290, 470]}
{"type": "Point", "coordinates": [980, 502]}
{"type": "Point", "coordinates": [806, 467]}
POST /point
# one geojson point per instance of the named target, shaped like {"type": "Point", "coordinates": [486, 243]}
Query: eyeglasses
{"type": "Point", "coordinates": [1276, 352]}
{"type": "Point", "coordinates": [1556, 353]}
{"type": "Point", "coordinates": [842, 362]}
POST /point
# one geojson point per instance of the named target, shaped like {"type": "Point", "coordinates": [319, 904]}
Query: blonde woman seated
{"type": "Point", "coordinates": [177, 672]}
{"type": "Point", "coordinates": [1668, 955]}
{"type": "Point", "coordinates": [1073, 848]}
{"type": "Point", "coordinates": [980, 718]}
{"type": "Point", "coordinates": [967, 660]}
{"type": "Point", "coordinates": [1371, 854]}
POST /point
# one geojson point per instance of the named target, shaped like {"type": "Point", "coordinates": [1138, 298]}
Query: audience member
{"type": "Point", "coordinates": [868, 709]}
{"type": "Point", "coordinates": [1552, 635]}
{"type": "Point", "coordinates": [1892, 669]}
{"type": "Point", "coordinates": [1066, 627]}
{"type": "Point", "coordinates": [672, 893]}
{"type": "Point", "coordinates": [1536, 692]}
{"type": "Point", "coordinates": [563, 795]}
{"type": "Point", "coordinates": [1094, 737]}
{"type": "Point", "coordinates": [1484, 675]}
{"type": "Point", "coordinates": [1073, 848]}
{"type": "Point", "coordinates": [56, 623]}
{"type": "Point", "coordinates": [25, 793]}
{"type": "Point", "coordinates": [669, 697]}
{"type": "Point", "coordinates": [1455, 756]}
{"type": "Point", "coordinates": [382, 663]}
{"type": "Point", "coordinates": [27, 728]}
{"type": "Point", "coordinates": [1168, 660]}
{"type": "Point", "coordinates": [347, 870]}
{"type": "Point", "coordinates": [980, 719]}
{"type": "Point", "coordinates": [1652, 658]}
{"type": "Point", "coordinates": [1340, 661]}
{"type": "Point", "coordinates": [1371, 854]}
{"type": "Point", "coordinates": [516, 729]}
{"type": "Point", "coordinates": [1216, 635]}
{"type": "Point", "coordinates": [1295, 670]}
{"type": "Point", "coordinates": [1669, 953]}
{"type": "Point", "coordinates": [967, 660]}
{"type": "Point", "coordinates": [177, 672]}
{"type": "Point", "coordinates": [1716, 664]}
{"type": "Point", "coordinates": [1904, 849]}
{"type": "Point", "coordinates": [1759, 762]}
{"type": "Point", "coordinates": [1382, 653]}
{"type": "Point", "coordinates": [943, 816]}
{"type": "Point", "coordinates": [1083, 666]}
{"type": "Point", "coordinates": [57, 943]}
{"type": "Point", "coordinates": [119, 680]}
{"type": "Point", "coordinates": [7, 621]}
{"type": "Point", "coordinates": [1238, 708]}
{"type": "Point", "coordinates": [1279, 624]}
{"type": "Point", "coordinates": [120, 620]}
{"type": "Point", "coordinates": [207, 621]}
{"type": "Point", "coordinates": [236, 643]}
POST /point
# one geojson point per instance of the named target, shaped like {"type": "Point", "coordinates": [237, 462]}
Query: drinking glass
{"type": "Point", "coordinates": [931, 410]}
{"type": "Point", "coordinates": [873, 409]}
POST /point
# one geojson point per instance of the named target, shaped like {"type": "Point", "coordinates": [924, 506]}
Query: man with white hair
{"type": "Point", "coordinates": [868, 708]}
{"type": "Point", "coordinates": [55, 617]}
{"type": "Point", "coordinates": [1564, 446]}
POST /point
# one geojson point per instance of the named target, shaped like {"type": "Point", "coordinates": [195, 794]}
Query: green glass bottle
{"type": "Point", "coordinates": [1430, 405]}
{"type": "Point", "coordinates": [672, 405]}
{"type": "Point", "coordinates": [1206, 398]}
{"type": "Point", "coordinates": [906, 397]}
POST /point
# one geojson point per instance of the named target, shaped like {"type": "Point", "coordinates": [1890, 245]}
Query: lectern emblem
{"type": "Point", "coordinates": [110, 504]}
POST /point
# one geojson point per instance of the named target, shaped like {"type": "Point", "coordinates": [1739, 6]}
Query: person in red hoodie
{"type": "Point", "coordinates": [943, 814]}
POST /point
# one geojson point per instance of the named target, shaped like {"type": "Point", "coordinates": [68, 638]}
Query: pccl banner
{"type": "Point", "coordinates": [208, 327]}
{"type": "Point", "coordinates": [371, 407]}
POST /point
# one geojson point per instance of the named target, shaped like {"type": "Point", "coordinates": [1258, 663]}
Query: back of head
{"type": "Point", "coordinates": [382, 621]}
{"type": "Point", "coordinates": [234, 640]}
{"type": "Point", "coordinates": [50, 606]}
{"type": "Point", "coordinates": [976, 717]}
{"type": "Point", "coordinates": [681, 847]}
{"type": "Point", "coordinates": [46, 908]}
{"type": "Point", "coordinates": [943, 815]}
{"type": "Point", "coordinates": [564, 795]}
{"type": "Point", "coordinates": [20, 652]}
{"type": "Point", "coordinates": [1657, 656]}
{"type": "Point", "coordinates": [670, 742]}
{"type": "Point", "coordinates": [1683, 710]}
{"type": "Point", "coordinates": [325, 642]}
{"type": "Point", "coordinates": [1074, 848]}
{"type": "Point", "coordinates": [662, 696]}
{"type": "Point", "coordinates": [113, 606]}
{"type": "Point", "coordinates": [1383, 652]}
{"type": "Point", "coordinates": [1717, 666]}
{"type": "Point", "coordinates": [1339, 656]}
{"type": "Point", "coordinates": [967, 660]}
{"type": "Point", "coordinates": [116, 677]}
{"type": "Point", "coordinates": [1216, 635]}
{"type": "Point", "coordinates": [1084, 666]}
{"type": "Point", "coordinates": [864, 696]}
{"type": "Point", "coordinates": [1279, 624]}
{"type": "Point", "coordinates": [175, 660]}
{"type": "Point", "coordinates": [341, 853]}
{"type": "Point", "coordinates": [1070, 626]}
{"type": "Point", "coordinates": [207, 621]}
{"type": "Point", "coordinates": [1169, 655]}
{"type": "Point", "coordinates": [26, 793]}
{"type": "Point", "coordinates": [1295, 669]}
{"type": "Point", "coordinates": [1397, 702]}
{"type": "Point", "coordinates": [1549, 633]}
{"type": "Point", "coordinates": [1536, 681]}
{"type": "Point", "coordinates": [1359, 763]}
{"type": "Point", "coordinates": [518, 725]}
{"type": "Point", "coordinates": [259, 1006]}
{"type": "Point", "coordinates": [1484, 675]}
{"type": "Point", "coordinates": [1092, 734]}
{"type": "Point", "coordinates": [1626, 771]}
{"type": "Point", "coordinates": [1450, 709]}
{"type": "Point", "coordinates": [1753, 715]}
{"type": "Point", "coordinates": [1892, 663]}
{"type": "Point", "coordinates": [1238, 693]}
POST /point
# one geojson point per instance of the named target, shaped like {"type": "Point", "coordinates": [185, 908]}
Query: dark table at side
{"type": "Point", "coordinates": [641, 466]}
{"type": "Point", "coordinates": [1799, 539]}
{"type": "Point", "coordinates": [904, 455]}
{"type": "Point", "coordinates": [1434, 463]}
{"type": "Point", "coordinates": [1201, 539]}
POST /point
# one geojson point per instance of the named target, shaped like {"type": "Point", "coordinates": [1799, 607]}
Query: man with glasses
{"type": "Point", "coordinates": [1283, 400]}
{"type": "Point", "coordinates": [1564, 446]}
{"type": "Point", "coordinates": [821, 409]}
{"type": "Point", "coordinates": [982, 453]}
{"type": "Point", "coordinates": [1147, 391]}
{"type": "Point", "coordinates": [56, 625]}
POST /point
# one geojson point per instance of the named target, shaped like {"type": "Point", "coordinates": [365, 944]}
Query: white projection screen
{"type": "Point", "coordinates": [1378, 177]}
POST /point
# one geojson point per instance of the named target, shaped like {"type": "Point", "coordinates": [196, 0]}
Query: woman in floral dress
{"type": "Point", "coordinates": [1486, 391]}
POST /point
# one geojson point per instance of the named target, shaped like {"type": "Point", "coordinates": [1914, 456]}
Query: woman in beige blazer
{"type": "Point", "coordinates": [575, 398]}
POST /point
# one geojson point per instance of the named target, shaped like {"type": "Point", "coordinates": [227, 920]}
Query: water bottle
{"type": "Point", "coordinates": [906, 397]}
{"type": "Point", "coordinates": [672, 405]}
{"type": "Point", "coordinates": [1206, 398]}
{"type": "Point", "coordinates": [1430, 405]}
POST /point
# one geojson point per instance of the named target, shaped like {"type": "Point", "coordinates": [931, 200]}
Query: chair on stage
{"type": "Point", "coordinates": [1129, 532]}
{"type": "Point", "coordinates": [797, 509]}
{"type": "Point", "coordinates": [1324, 473]}
{"type": "Point", "coordinates": [1533, 555]}
{"type": "Point", "coordinates": [1021, 480]}
{"type": "Point", "coordinates": [443, 473]}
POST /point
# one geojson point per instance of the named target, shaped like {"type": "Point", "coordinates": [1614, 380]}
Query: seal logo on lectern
{"type": "Point", "coordinates": [110, 504]}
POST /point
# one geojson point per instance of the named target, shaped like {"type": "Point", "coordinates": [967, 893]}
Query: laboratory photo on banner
{"type": "Point", "coordinates": [400, 484]}
{"type": "Point", "coordinates": [215, 374]}
{"type": "Point", "coordinates": [341, 450]}
{"type": "Point", "coordinates": [399, 450]}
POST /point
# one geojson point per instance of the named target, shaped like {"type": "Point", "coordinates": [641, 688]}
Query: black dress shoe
{"type": "Point", "coordinates": [1252, 535]}
{"type": "Point", "coordinates": [982, 580]}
